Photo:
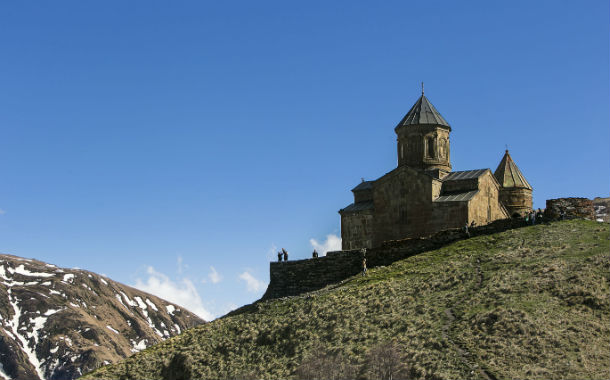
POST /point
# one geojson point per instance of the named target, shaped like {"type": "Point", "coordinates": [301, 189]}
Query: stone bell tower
{"type": "Point", "coordinates": [515, 191]}
{"type": "Point", "coordinates": [423, 138]}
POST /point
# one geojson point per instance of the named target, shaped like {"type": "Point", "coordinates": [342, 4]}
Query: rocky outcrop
{"type": "Point", "coordinates": [571, 207]}
{"type": "Point", "coordinates": [59, 323]}
{"type": "Point", "coordinates": [602, 209]}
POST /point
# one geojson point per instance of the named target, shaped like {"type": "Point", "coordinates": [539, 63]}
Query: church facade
{"type": "Point", "coordinates": [422, 195]}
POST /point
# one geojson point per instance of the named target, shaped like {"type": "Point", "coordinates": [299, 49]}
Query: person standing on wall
{"type": "Point", "coordinates": [285, 253]}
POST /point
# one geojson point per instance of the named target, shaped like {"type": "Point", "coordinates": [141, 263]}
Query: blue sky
{"type": "Point", "coordinates": [159, 143]}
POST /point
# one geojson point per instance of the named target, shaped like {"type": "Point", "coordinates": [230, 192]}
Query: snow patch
{"type": "Point", "coordinates": [151, 304]}
{"type": "Point", "coordinates": [24, 272]}
{"type": "Point", "coordinates": [141, 303]}
{"type": "Point", "coordinates": [111, 329]}
{"type": "Point", "coordinates": [51, 311]}
{"type": "Point", "coordinates": [14, 325]}
{"type": "Point", "coordinates": [128, 300]}
{"type": "Point", "coordinates": [170, 309]}
{"type": "Point", "coordinates": [3, 374]}
{"type": "Point", "coordinates": [69, 277]}
{"type": "Point", "coordinates": [141, 345]}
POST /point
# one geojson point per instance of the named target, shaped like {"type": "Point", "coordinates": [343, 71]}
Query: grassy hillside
{"type": "Point", "coordinates": [526, 303]}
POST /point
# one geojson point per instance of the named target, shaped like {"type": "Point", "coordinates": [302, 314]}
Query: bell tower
{"type": "Point", "coordinates": [423, 138]}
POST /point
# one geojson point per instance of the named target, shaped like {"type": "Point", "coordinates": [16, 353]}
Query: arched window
{"type": "Point", "coordinates": [430, 144]}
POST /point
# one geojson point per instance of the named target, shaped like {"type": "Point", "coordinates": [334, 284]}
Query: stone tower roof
{"type": "Point", "coordinates": [509, 175]}
{"type": "Point", "coordinates": [423, 112]}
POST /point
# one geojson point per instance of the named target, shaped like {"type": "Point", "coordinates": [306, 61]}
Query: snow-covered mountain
{"type": "Point", "coordinates": [58, 323]}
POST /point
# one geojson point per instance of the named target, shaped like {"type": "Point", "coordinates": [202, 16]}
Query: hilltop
{"type": "Point", "coordinates": [531, 302]}
{"type": "Point", "coordinates": [58, 323]}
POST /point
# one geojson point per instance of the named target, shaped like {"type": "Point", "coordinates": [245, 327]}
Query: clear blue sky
{"type": "Point", "coordinates": [184, 135]}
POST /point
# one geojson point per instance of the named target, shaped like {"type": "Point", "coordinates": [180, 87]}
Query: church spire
{"type": "Point", "coordinates": [509, 175]}
{"type": "Point", "coordinates": [423, 112]}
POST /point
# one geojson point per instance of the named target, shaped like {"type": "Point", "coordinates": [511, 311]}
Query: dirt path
{"type": "Point", "coordinates": [463, 353]}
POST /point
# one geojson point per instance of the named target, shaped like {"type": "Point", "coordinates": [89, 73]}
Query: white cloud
{"type": "Point", "coordinates": [252, 283]}
{"type": "Point", "coordinates": [182, 293]}
{"type": "Point", "coordinates": [214, 276]}
{"type": "Point", "coordinates": [332, 243]}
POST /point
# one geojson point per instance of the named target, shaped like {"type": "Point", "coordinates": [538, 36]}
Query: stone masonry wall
{"type": "Point", "coordinates": [295, 277]}
{"type": "Point", "coordinates": [573, 208]}
{"type": "Point", "coordinates": [357, 229]}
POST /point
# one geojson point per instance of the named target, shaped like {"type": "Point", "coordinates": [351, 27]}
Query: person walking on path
{"type": "Point", "coordinates": [465, 229]}
{"type": "Point", "coordinates": [533, 217]}
{"type": "Point", "coordinates": [364, 266]}
{"type": "Point", "coordinates": [285, 253]}
{"type": "Point", "coordinates": [279, 256]}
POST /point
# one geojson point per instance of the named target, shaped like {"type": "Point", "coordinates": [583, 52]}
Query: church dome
{"type": "Point", "coordinates": [423, 113]}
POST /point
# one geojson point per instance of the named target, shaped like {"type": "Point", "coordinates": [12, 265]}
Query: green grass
{"type": "Point", "coordinates": [528, 303]}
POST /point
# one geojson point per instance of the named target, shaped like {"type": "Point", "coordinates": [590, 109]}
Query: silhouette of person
{"type": "Point", "coordinates": [314, 254]}
{"type": "Point", "coordinates": [364, 266]}
{"type": "Point", "coordinates": [465, 229]}
{"type": "Point", "coordinates": [279, 256]}
{"type": "Point", "coordinates": [285, 254]}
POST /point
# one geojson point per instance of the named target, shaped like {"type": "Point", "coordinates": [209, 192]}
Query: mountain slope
{"type": "Point", "coordinates": [526, 303]}
{"type": "Point", "coordinates": [59, 323]}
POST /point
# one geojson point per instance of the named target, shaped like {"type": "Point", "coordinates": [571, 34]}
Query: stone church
{"type": "Point", "coordinates": [422, 195]}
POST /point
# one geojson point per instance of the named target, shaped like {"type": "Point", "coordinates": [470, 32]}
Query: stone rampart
{"type": "Point", "coordinates": [296, 277]}
{"type": "Point", "coordinates": [572, 207]}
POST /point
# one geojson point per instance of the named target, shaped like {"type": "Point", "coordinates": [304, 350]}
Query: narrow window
{"type": "Point", "coordinates": [430, 147]}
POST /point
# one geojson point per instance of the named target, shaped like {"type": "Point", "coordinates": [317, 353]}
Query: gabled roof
{"type": "Point", "coordinates": [457, 197]}
{"type": "Point", "coordinates": [423, 112]}
{"type": "Point", "coordinates": [509, 175]}
{"type": "Point", "coordinates": [364, 185]}
{"type": "Point", "coordinates": [463, 175]}
{"type": "Point", "coordinates": [360, 206]}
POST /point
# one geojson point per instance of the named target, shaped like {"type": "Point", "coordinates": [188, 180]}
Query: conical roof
{"type": "Point", "coordinates": [423, 112]}
{"type": "Point", "coordinates": [509, 175]}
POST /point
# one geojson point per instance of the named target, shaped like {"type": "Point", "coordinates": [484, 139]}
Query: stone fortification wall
{"type": "Point", "coordinates": [572, 207]}
{"type": "Point", "coordinates": [295, 277]}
